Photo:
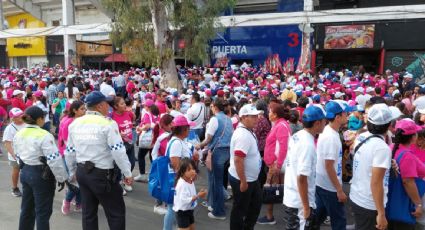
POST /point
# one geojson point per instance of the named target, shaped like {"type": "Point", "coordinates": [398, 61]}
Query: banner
{"type": "Point", "coordinates": [25, 46]}
{"type": "Point", "coordinates": [349, 37]}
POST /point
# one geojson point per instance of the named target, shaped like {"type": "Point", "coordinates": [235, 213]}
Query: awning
{"type": "Point", "coordinates": [116, 58]}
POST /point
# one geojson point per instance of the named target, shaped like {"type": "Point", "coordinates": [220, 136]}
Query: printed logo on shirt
{"type": "Point", "coordinates": [386, 178]}
{"type": "Point", "coordinates": [339, 171]}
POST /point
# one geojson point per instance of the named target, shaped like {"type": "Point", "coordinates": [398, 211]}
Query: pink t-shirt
{"type": "Point", "coordinates": [148, 118]}
{"type": "Point", "coordinates": [410, 166]}
{"type": "Point", "coordinates": [63, 133]}
{"type": "Point", "coordinates": [125, 125]}
{"type": "Point", "coordinates": [419, 153]}
{"type": "Point", "coordinates": [162, 107]}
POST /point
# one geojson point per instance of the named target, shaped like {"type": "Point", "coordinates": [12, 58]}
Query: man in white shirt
{"type": "Point", "coordinates": [196, 113]}
{"type": "Point", "coordinates": [300, 174]}
{"type": "Point", "coordinates": [106, 88]}
{"type": "Point", "coordinates": [330, 197]}
{"type": "Point", "coordinates": [372, 160]}
{"type": "Point", "coordinates": [245, 164]}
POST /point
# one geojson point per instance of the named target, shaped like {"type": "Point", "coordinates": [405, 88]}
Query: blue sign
{"type": "Point", "coordinates": [255, 44]}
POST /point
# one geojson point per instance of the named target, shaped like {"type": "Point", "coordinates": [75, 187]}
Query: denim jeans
{"type": "Point", "coordinates": [215, 180]}
{"type": "Point", "coordinates": [327, 204]}
{"type": "Point", "coordinates": [56, 122]}
{"type": "Point", "coordinates": [169, 218]}
{"type": "Point", "coordinates": [200, 132]}
{"type": "Point", "coordinates": [37, 199]}
{"type": "Point", "coordinates": [70, 195]}
{"type": "Point", "coordinates": [246, 205]}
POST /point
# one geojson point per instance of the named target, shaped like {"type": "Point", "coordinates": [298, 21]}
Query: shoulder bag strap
{"type": "Point", "coordinates": [168, 148]}
{"type": "Point", "coordinates": [221, 136]}
{"type": "Point", "coordinates": [364, 141]}
{"type": "Point", "coordinates": [199, 114]}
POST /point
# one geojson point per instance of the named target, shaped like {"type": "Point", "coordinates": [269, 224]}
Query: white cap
{"type": "Point", "coordinates": [395, 112]}
{"type": "Point", "coordinates": [359, 89]}
{"type": "Point", "coordinates": [369, 89]}
{"type": "Point", "coordinates": [17, 91]}
{"type": "Point", "coordinates": [249, 109]}
{"type": "Point", "coordinates": [395, 92]}
{"type": "Point", "coordinates": [339, 94]}
{"type": "Point", "coordinates": [409, 75]}
{"type": "Point", "coordinates": [380, 114]}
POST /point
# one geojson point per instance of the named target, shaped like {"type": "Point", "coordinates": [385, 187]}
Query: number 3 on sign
{"type": "Point", "coordinates": [295, 40]}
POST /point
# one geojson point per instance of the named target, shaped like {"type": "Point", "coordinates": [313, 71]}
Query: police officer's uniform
{"type": "Point", "coordinates": [30, 144]}
{"type": "Point", "coordinates": [94, 144]}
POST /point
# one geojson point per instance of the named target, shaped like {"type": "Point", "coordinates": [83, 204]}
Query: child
{"type": "Point", "coordinates": [185, 196]}
{"type": "Point", "coordinates": [355, 121]}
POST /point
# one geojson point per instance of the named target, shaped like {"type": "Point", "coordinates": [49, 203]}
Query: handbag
{"type": "Point", "coordinates": [145, 138]}
{"type": "Point", "coordinates": [273, 194]}
{"type": "Point", "coordinates": [399, 206]}
{"type": "Point", "coordinates": [161, 178]}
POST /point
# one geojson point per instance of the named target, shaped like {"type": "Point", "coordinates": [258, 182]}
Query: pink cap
{"type": "Point", "coordinates": [264, 93]}
{"type": "Point", "coordinates": [15, 112]}
{"type": "Point", "coordinates": [148, 96]}
{"type": "Point", "coordinates": [182, 121]}
{"type": "Point", "coordinates": [38, 94]}
{"type": "Point", "coordinates": [148, 103]}
{"type": "Point", "coordinates": [407, 126]}
{"type": "Point", "coordinates": [208, 92]}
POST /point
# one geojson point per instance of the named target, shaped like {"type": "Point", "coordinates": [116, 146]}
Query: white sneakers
{"type": "Point", "coordinates": [212, 216]}
{"type": "Point", "coordinates": [142, 178]}
{"type": "Point", "coordinates": [128, 188]}
{"type": "Point", "coordinates": [160, 209]}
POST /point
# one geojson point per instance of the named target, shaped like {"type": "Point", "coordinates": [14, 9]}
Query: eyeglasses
{"type": "Point", "coordinates": [164, 95]}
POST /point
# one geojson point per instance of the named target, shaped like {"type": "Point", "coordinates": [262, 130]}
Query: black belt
{"type": "Point", "coordinates": [81, 165]}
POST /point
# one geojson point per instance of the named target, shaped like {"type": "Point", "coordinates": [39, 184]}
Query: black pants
{"type": "Point", "coordinates": [129, 149]}
{"type": "Point", "coordinates": [246, 205]}
{"type": "Point", "coordinates": [293, 222]}
{"type": "Point", "coordinates": [95, 189]}
{"type": "Point", "coordinates": [365, 219]}
{"type": "Point", "coordinates": [141, 158]}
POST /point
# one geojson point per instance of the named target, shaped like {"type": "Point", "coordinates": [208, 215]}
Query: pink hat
{"type": "Point", "coordinates": [182, 121]}
{"type": "Point", "coordinates": [148, 96]}
{"type": "Point", "coordinates": [38, 94]}
{"type": "Point", "coordinates": [148, 103]}
{"type": "Point", "coordinates": [264, 92]}
{"type": "Point", "coordinates": [208, 92]}
{"type": "Point", "coordinates": [15, 112]}
{"type": "Point", "coordinates": [407, 126]}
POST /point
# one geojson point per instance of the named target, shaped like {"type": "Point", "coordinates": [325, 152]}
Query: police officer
{"type": "Point", "coordinates": [40, 164]}
{"type": "Point", "coordinates": [94, 145]}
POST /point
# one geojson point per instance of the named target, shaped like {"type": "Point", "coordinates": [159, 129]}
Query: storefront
{"type": "Point", "coordinates": [26, 51]}
{"type": "Point", "coordinates": [55, 53]}
{"type": "Point", "coordinates": [254, 45]}
{"type": "Point", "coordinates": [377, 45]}
{"type": "Point", "coordinates": [91, 55]}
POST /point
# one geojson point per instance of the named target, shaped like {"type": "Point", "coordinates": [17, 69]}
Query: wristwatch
{"type": "Point", "coordinates": [419, 205]}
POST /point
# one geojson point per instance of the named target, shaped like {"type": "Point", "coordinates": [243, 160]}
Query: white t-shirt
{"type": "Point", "coordinates": [157, 144]}
{"type": "Point", "coordinates": [107, 90]}
{"type": "Point", "coordinates": [212, 126]}
{"type": "Point", "coordinates": [9, 134]}
{"type": "Point", "coordinates": [329, 147]}
{"type": "Point", "coordinates": [74, 92]}
{"type": "Point", "coordinates": [183, 196]}
{"type": "Point", "coordinates": [175, 113]}
{"type": "Point", "coordinates": [300, 160]}
{"type": "Point", "coordinates": [375, 153]}
{"type": "Point", "coordinates": [45, 109]}
{"type": "Point", "coordinates": [196, 113]}
{"type": "Point", "coordinates": [179, 148]}
{"type": "Point", "coordinates": [244, 141]}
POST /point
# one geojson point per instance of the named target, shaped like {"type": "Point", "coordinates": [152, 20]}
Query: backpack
{"type": "Point", "coordinates": [161, 178]}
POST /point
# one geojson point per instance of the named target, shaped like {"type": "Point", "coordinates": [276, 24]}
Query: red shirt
{"type": "Point", "coordinates": [18, 103]}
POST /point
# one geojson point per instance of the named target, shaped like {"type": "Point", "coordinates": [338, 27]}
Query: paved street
{"type": "Point", "coordinates": [139, 209]}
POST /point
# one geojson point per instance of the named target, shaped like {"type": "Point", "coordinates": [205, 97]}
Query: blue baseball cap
{"type": "Point", "coordinates": [316, 98]}
{"type": "Point", "coordinates": [95, 98]}
{"type": "Point", "coordinates": [313, 113]}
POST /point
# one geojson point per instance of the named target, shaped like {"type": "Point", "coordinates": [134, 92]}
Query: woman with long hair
{"type": "Point", "coordinates": [125, 121]}
{"type": "Point", "coordinates": [218, 135]}
{"type": "Point", "coordinates": [410, 168]}
{"type": "Point", "coordinates": [74, 110]}
{"type": "Point", "coordinates": [177, 149]}
{"type": "Point", "coordinates": [147, 123]}
{"type": "Point", "coordinates": [161, 134]}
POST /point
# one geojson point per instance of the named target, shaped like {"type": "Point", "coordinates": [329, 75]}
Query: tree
{"type": "Point", "coordinates": [147, 30]}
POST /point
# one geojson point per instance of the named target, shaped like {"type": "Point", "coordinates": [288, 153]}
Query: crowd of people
{"type": "Point", "coordinates": [314, 142]}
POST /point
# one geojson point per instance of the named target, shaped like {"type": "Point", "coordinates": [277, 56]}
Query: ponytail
{"type": "Point", "coordinates": [400, 138]}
